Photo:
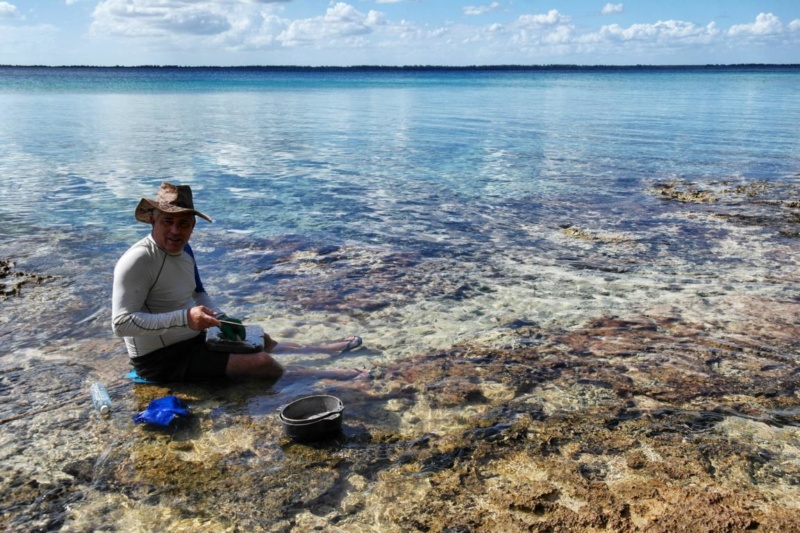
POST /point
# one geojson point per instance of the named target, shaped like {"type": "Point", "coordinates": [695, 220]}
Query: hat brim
{"type": "Point", "coordinates": [146, 207]}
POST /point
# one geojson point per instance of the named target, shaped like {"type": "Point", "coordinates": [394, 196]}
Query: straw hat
{"type": "Point", "coordinates": [170, 199]}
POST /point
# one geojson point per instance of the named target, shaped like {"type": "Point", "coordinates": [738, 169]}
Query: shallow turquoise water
{"type": "Point", "coordinates": [462, 173]}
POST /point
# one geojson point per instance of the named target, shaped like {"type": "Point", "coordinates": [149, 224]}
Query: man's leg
{"type": "Point", "coordinates": [262, 365]}
{"type": "Point", "coordinates": [347, 344]}
{"type": "Point", "coordinates": [257, 365]}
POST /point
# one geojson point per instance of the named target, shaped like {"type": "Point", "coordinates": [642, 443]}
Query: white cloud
{"type": "Point", "coordinates": [196, 23]}
{"type": "Point", "coordinates": [480, 10]}
{"type": "Point", "coordinates": [659, 32]}
{"type": "Point", "coordinates": [560, 35]}
{"type": "Point", "coordinates": [178, 21]}
{"type": "Point", "coordinates": [343, 34]}
{"type": "Point", "coordinates": [234, 24]}
{"type": "Point", "coordinates": [542, 33]}
{"type": "Point", "coordinates": [765, 24]}
{"type": "Point", "coordinates": [551, 18]}
{"type": "Point", "coordinates": [8, 10]}
{"type": "Point", "coordinates": [340, 21]}
{"type": "Point", "coordinates": [608, 9]}
{"type": "Point", "coordinates": [151, 17]}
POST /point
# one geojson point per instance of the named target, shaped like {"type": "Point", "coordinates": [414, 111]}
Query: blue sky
{"type": "Point", "coordinates": [397, 32]}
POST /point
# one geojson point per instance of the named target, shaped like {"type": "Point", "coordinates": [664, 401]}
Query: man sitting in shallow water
{"type": "Point", "coordinates": [161, 309]}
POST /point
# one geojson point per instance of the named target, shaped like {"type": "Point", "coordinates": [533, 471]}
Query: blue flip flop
{"type": "Point", "coordinates": [133, 376]}
{"type": "Point", "coordinates": [353, 344]}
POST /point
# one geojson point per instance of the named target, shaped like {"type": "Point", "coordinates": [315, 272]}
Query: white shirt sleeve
{"type": "Point", "coordinates": [131, 286]}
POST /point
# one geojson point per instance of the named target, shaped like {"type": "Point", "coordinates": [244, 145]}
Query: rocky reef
{"type": "Point", "coordinates": [623, 425]}
{"type": "Point", "coordinates": [12, 281]}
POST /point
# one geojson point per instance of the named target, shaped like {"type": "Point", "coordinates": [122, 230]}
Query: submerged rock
{"type": "Point", "coordinates": [622, 425]}
{"type": "Point", "coordinates": [12, 281]}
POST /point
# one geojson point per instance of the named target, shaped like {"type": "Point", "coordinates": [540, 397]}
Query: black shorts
{"type": "Point", "coordinates": [187, 360]}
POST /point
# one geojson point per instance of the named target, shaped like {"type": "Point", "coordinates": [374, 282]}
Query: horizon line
{"type": "Point", "coordinates": [508, 66]}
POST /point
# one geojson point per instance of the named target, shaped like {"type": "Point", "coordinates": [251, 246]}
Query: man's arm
{"type": "Point", "coordinates": [131, 286]}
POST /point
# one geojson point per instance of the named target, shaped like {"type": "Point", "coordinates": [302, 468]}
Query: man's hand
{"type": "Point", "coordinates": [230, 331]}
{"type": "Point", "coordinates": [201, 318]}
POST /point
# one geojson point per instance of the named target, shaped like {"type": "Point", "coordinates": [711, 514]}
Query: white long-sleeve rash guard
{"type": "Point", "coordinates": [153, 291]}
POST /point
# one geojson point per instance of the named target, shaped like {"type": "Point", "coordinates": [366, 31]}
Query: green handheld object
{"type": "Point", "coordinates": [232, 328]}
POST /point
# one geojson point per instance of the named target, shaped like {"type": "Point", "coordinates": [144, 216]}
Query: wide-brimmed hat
{"type": "Point", "coordinates": [170, 199]}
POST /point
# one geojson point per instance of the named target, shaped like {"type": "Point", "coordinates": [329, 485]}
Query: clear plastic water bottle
{"type": "Point", "coordinates": [100, 398]}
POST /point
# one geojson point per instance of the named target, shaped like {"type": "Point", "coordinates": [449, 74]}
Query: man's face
{"type": "Point", "coordinates": [172, 231]}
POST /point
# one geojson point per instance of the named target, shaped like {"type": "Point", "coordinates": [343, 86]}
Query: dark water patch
{"type": "Point", "coordinates": [489, 434]}
{"type": "Point", "coordinates": [685, 192]}
{"type": "Point", "coordinates": [29, 505]}
{"type": "Point", "coordinates": [466, 291]}
{"type": "Point", "coordinates": [521, 323]}
{"type": "Point", "coordinates": [40, 386]}
{"type": "Point", "coordinates": [770, 204]}
{"type": "Point", "coordinates": [580, 265]}
{"type": "Point", "coordinates": [681, 422]}
{"type": "Point", "coordinates": [13, 281]}
{"type": "Point", "coordinates": [344, 279]}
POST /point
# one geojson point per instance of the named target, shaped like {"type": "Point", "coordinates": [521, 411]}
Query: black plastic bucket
{"type": "Point", "coordinates": [312, 418]}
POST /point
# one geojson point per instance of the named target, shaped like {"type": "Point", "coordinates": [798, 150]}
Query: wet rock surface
{"type": "Point", "coordinates": [12, 281]}
{"type": "Point", "coordinates": [624, 425]}
{"type": "Point", "coordinates": [759, 203]}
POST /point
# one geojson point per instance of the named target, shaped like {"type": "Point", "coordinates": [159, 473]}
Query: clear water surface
{"type": "Point", "coordinates": [472, 176]}
{"type": "Point", "coordinates": [421, 209]}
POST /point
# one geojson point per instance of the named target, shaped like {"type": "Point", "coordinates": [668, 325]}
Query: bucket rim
{"type": "Point", "coordinates": [336, 410]}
